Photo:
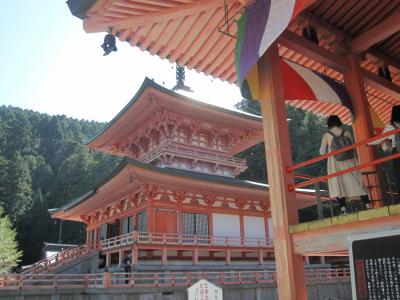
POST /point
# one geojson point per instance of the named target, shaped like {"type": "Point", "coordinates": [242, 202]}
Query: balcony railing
{"type": "Point", "coordinates": [389, 192]}
{"type": "Point", "coordinates": [183, 239]}
{"type": "Point", "coordinates": [154, 280]}
{"type": "Point", "coordinates": [185, 151]}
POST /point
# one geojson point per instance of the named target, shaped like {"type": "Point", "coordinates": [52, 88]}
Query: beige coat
{"type": "Point", "coordinates": [347, 185]}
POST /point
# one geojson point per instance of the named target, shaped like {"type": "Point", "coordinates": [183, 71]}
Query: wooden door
{"type": "Point", "coordinates": [166, 221]}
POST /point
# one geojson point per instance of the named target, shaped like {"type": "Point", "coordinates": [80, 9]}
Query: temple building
{"type": "Point", "coordinates": [175, 195]}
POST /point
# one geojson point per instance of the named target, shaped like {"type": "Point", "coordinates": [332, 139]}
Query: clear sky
{"type": "Point", "coordinates": [49, 64]}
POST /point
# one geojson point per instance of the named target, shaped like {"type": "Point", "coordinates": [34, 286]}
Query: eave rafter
{"type": "Point", "coordinates": [94, 25]}
{"type": "Point", "coordinates": [378, 33]}
{"type": "Point", "coordinates": [371, 54]}
{"type": "Point", "coordinates": [338, 62]}
{"type": "Point", "coordinates": [161, 27]}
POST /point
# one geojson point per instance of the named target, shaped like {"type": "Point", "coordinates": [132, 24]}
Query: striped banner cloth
{"type": "Point", "coordinates": [259, 26]}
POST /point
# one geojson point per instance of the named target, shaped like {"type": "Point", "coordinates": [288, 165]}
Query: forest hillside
{"type": "Point", "coordinates": [44, 164]}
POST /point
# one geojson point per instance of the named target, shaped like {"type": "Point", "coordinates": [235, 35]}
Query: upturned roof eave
{"type": "Point", "coordinates": [213, 179]}
{"type": "Point", "coordinates": [148, 83]}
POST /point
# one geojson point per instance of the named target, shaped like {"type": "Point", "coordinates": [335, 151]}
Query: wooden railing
{"type": "Point", "coordinates": [152, 280]}
{"type": "Point", "coordinates": [183, 239]}
{"type": "Point", "coordinates": [51, 262]}
{"type": "Point", "coordinates": [185, 151]}
{"type": "Point", "coordinates": [359, 167]}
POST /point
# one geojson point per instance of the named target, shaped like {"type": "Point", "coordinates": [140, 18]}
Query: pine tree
{"type": "Point", "coordinates": [19, 194]}
{"type": "Point", "coordinates": [43, 164]}
{"type": "Point", "coordinates": [9, 254]}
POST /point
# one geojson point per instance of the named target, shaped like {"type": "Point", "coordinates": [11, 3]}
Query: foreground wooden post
{"type": "Point", "coordinates": [108, 259]}
{"type": "Point", "coordinates": [362, 123]}
{"type": "Point", "coordinates": [164, 256]}
{"type": "Point", "coordinates": [289, 266]}
{"type": "Point", "coordinates": [106, 279]}
{"type": "Point", "coordinates": [227, 257]}
{"type": "Point", "coordinates": [135, 255]}
{"type": "Point", "coordinates": [195, 256]}
{"type": "Point", "coordinates": [260, 257]}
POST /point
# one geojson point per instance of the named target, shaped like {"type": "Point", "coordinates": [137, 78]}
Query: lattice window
{"type": "Point", "coordinates": [142, 221]}
{"type": "Point", "coordinates": [127, 225]}
{"type": "Point", "coordinates": [195, 224]}
{"type": "Point", "coordinates": [188, 224]}
{"type": "Point", "coordinates": [201, 221]}
{"type": "Point", "coordinates": [103, 231]}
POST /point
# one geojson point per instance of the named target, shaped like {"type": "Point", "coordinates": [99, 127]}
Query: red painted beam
{"type": "Point", "coordinates": [381, 84]}
{"type": "Point", "coordinates": [378, 33]}
{"type": "Point", "coordinates": [311, 50]}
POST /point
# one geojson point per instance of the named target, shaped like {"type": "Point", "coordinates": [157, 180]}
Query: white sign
{"type": "Point", "coordinates": [204, 290]}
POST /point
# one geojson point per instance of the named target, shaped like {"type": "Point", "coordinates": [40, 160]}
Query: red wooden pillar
{"type": "Point", "coordinates": [266, 225]}
{"type": "Point", "coordinates": [289, 266]}
{"type": "Point", "coordinates": [195, 256]}
{"type": "Point", "coordinates": [135, 255]}
{"type": "Point", "coordinates": [228, 257]}
{"type": "Point", "coordinates": [87, 237]}
{"type": "Point", "coordinates": [179, 200]}
{"type": "Point", "coordinates": [151, 216]}
{"type": "Point", "coordinates": [108, 259]}
{"type": "Point", "coordinates": [164, 255]}
{"type": "Point", "coordinates": [241, 222]}
{"type": "Point", "coordinates": [120, 257]}
{"type": "Point", "coordinates": [210, 217]}
{"type": "Point", "coordinates": [260, 257]}
{"type": "Point", "coordinates": [362, 123]}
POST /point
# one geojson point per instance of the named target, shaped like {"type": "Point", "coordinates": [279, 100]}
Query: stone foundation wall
{"type": "Point", "coordinates": [317, 291]}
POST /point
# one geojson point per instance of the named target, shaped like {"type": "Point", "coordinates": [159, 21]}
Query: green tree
{"type": "Point", "coordinates": [305, 131]}
{"type": "Point", "coordinates": [43, 164]}
{"type": "Point", "coordinates": [19, 194]}
{"type": "Point", "coordinates": [9, 254]}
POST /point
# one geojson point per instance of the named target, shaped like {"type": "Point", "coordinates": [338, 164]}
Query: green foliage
{"type": "Point", "coordinates": [306, 131]}
{"type": "Point", "coordinates": [9, 254]}
{"type": "Point", "coordinates": [44, 164]}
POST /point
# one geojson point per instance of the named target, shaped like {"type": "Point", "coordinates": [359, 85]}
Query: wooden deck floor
{"type": "Point", "coordinates": [329, 236]}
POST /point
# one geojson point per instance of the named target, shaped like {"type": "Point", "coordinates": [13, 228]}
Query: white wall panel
{"type": "Point", "coordinates": [254, 227]}
{"type": "Point", "coordinates": [225, 225]}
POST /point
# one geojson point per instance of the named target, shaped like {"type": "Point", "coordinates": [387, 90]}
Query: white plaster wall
{"type": "Point", "coordinates": [225, 225]}
{"type": "Point", "coordinates": [254, 227]}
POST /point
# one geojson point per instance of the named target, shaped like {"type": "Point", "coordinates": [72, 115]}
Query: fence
{"type": "Point", "coordinates": [183, 239]}
{"type": "Point", "coordinates": [55, 260]}
{"type": "Point", "coordinates": [153, 280]}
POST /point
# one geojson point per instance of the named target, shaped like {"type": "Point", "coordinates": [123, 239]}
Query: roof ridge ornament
{"type": "Point", "coordinates": [180, 80]}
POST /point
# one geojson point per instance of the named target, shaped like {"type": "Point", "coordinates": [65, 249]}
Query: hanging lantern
{"type": "Point", "coordinates": [109, 44]}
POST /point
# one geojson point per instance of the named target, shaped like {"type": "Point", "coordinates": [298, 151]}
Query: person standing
{"type": "Point", "coordinates": [349, 184]}
{"type": "Point", "coordinates": [127, 262]}
{"type": "Point", "coordinates": [391, 144]}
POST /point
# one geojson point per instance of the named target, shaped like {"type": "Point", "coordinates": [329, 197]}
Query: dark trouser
{"type": "Point", "coordinates": [342, 200]}
{"type": "Point", "coordinates": [396, 171]}
{"type": "Point", "coordinates": [127, 270]}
